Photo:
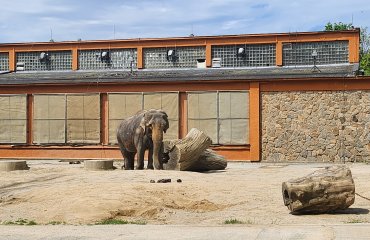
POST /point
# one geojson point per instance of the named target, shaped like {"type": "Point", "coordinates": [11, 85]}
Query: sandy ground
{"type": "Point", "coordinates": [53, 191]}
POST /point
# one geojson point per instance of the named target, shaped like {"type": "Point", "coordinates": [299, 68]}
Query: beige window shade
{"type": "Point", "coordinates": [222, 115]}
{"type": "Point", "coordinates": [168, 102]}
{"type": "Point", "coordinates": [49, 119]}
{"type": "Point", "coordinates": [13, 118]}
{"type": "Point", "coordinates": [123, 105]}
{"type": "Point", "coordinates": [83, 118]}
{"type": "Point", "coordinates": [202, 113]}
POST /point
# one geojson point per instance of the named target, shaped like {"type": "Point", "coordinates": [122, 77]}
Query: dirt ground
{"type": "Point", "coordinates": [53, 191]}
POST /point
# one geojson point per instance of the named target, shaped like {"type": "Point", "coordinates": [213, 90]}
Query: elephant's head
{"type": "Point", "coordinates": [155, 123]}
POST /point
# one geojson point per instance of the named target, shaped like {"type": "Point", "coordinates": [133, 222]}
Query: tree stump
{"type": "Point", "coordinates": [322, 191]}
{"type": "Point", "coordinates": [191, 153]}
{"type": "Point", "coordinates": [98, 164]}
{"type": "Point", "coordinates": [13, 165]}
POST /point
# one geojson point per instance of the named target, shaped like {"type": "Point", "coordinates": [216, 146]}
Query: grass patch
{"type": "Point", "coordinates": [56, 223]}
{"type": "Point", "coordinates": [118, 222]}
{"type": "Point", "coordinates": [356, 220]}
{"type": "Point", "coordinates": [233, 221]}
{"type": "Point", "coordinates": [20, 221]}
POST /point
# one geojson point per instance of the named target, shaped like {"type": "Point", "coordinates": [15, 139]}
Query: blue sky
{"type": "Point", "coordinates": [32, 21]}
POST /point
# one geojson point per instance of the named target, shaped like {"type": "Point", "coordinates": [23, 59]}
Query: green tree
{"type": "Point", "coordinates": [364, 42]}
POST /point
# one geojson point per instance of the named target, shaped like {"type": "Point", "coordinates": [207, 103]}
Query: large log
{"type": "Point", "coordinates": [184, 153]}
{"type": "Point", "coordinates": [322, 191]}
{"type": "Point", "coordinates": [209, 160]}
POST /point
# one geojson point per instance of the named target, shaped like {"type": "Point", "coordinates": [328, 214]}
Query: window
{"type": "Point", "coordinates": [83, 118]}
{"type": "Point", "coordinates": [13, 118]}
{"type": "Point", "coordinates": [49, 119]}
{"type": "Point", "coordinates": [123, 105]}
{"type": "Point", "coordinates": [70, 118]}
{"type": "Point", "coordinates": [222, 115]}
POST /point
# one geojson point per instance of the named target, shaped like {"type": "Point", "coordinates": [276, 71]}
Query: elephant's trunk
{"type": "Point", "coordinates": [157, 138]}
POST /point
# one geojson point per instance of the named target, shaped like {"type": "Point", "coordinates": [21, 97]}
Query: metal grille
{"type": "Point", "coordinates": [185, 57]}
{"type": "Point", "coordinates": [61, 60]}
{"type": "Point", "coordinates": [327, 53]}
{"type": "Point", "coordinates": [4, 62]}
{"type": "Point", "coordinates": [256, 55]}
{"type": "Point", "coordinates": [119, 59]}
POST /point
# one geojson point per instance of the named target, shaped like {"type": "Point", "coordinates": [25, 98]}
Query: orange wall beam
{"type": "Point", "coordinates": [127, 87]}
{"type": "Point", "coordinates": [183, 126]}
{"type": "Point", "coordinates": [279, 54]}
{"type": "Point", "coordinates": [104, 119]}
{"type": "Point", "coordinates": [12, 60]}
{"type": "Point", "coordinates": [254, 121]}
{"type": "Point", "coordinates": [353, 45]}
{"type": "Point", "coordinates": [361, 83]}
{"type": "Point", "coordinates": [29, 135]}
{"type": "Point", "coordinates": [74, 59]}
{"type": "Point", "coordinates": [140, 62]}
{"type": "Point", "coordinates": [95, 152]}
{"type": "Point", "coordinates": [208, 55]}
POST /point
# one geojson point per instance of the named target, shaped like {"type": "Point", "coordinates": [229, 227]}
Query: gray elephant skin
{"type": "Point", "coordinates": [141, 132]}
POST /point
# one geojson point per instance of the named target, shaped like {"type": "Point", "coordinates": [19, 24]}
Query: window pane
{"type": "Point", "coordinates": [209, 127]}
{"type": "Point", "coordinates": [202, 105]}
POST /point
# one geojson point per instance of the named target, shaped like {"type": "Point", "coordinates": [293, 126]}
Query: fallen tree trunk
{"type": "Point", "coordinates": [322, 191]}
{"type": "Point", "coordinates": [209, 160]}
{"type": "Point", "coordinates": [184, 153]}
{"type": "Point", "coordinates": [191, 153]}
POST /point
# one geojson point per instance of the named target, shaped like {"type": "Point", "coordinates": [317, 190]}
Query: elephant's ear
{"type": "Point", "coordinates": [167, 124]}
{"type": "Point", "coordinates": [142, 124]}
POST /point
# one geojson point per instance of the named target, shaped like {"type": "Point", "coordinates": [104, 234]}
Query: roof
{"type": "Point", "coordinates": [173, 75]}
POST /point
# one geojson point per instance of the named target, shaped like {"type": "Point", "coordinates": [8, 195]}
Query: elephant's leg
{"type": "Point", "coordinates": [129, 160]}
{"type": "Point", "coordinates": [140, 158]}
{"type": "Point", "coordinates": [150, 158]}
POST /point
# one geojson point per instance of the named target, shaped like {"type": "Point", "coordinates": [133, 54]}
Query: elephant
{"type": "Point", "coordinates": [140, 132]}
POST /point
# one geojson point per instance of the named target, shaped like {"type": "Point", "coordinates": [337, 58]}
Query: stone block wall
{"type": "Point", "coordinates": [322, 126]}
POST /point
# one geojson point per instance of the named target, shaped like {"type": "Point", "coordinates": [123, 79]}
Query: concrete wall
{"type": "Point", "coordinates": [329, 126]}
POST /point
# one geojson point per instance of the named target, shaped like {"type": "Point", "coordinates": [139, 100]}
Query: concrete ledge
{"type": "Point", "coordinates": [97, 165]}
{"type": "Point", "coordinates": [13, 165]}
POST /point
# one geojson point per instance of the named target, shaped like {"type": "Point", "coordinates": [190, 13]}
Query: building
{"type": "Point", "coordinates": [289, 96]}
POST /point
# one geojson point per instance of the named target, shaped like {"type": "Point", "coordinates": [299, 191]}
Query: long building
{"type": "Point", "coordinates": [269, 97]}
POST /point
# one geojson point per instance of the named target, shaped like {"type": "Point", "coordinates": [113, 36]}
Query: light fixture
{"type": "Point", "coordinates": [105, 56]}
{"type": "Point", "coordinates": [314, 55]}
{"type": "Point", "coordinates": [44, 57]}
{"type": "Point", "coordinates": [240, 52]}
{"type": "Point", "coordinates": [171, 55]}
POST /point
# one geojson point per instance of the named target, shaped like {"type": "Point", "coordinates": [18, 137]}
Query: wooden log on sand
{"type": "Point", "coordinates": [191, 154]}
{"type": "Point", "coordinates": [12, 165]}
{"type": "Point", "coordinates": [322, 191]}
{"type": "Point", "coordinates": [98, 164]}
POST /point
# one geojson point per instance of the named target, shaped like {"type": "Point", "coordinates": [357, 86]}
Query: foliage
{"type": "Point", "coordinates": [338, 26]}
{"type": "Point", "coordinates": [20, 221]}
{"type": "Point", "coordinates": [56, 223]}
{"type": "Point", "coordinates": [233, 221]}
{"type": "Point", "coordinates": [113, 221]}
{"type": "Point", "coordinates": [364, 42]}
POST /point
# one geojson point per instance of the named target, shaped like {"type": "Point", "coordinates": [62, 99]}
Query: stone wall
{"type": "Point", "coordinates": [324, 126]}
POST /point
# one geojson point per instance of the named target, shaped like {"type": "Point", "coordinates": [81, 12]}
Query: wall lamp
{"type": "Point", "coordinates": [241, 52]}
{"type": "Point", "coordinates": [44, 57]}
{"type": "Point", "coordinates": [171, 55]}
{"type": "Point", "coordinates": [105, 56]}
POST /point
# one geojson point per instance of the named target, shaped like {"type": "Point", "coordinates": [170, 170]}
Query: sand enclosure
{"type": "Point", "coordinates": [53, 191]}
